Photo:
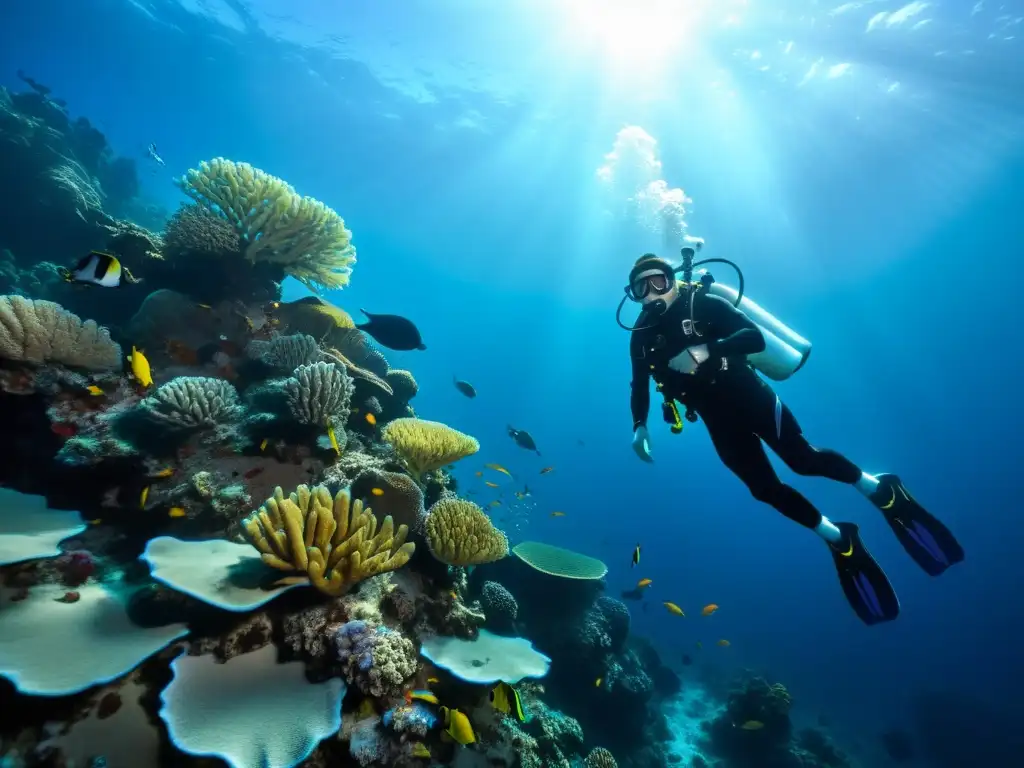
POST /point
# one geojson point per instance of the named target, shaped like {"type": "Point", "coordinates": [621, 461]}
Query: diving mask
{"type": "Point", "coordinates": [652, 281]}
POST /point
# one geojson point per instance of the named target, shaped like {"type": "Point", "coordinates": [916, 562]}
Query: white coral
{"type": "Point", "coordinates": [193, 401]}
{"type": "Point", "coordinates": [37, 331]}
{"type": "Point", "coordinates": [319, 392]}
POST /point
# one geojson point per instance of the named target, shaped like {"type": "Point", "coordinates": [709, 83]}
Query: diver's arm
{"type": "Point", "coordinates": [737, 333]}
{"type": "Point", "coordinates": [640, 394]}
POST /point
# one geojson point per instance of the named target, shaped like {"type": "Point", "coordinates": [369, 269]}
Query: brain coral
{"type": "Point", "coordinates": [43, 332]}
{"type": "Point", "coordinates": [459, 533]}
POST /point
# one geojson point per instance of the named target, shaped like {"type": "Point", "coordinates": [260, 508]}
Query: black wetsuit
{"type": "Point", "coordinates": [737, 405]}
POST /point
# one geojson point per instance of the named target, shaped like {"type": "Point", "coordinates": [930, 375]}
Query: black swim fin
{"type": "Point", "coordinates": [928, 541]}
{"type": "Point", "coordinates": [864, 583]}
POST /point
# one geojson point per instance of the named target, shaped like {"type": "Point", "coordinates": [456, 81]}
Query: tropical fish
{"type": "Point", "coordinates": [464, 387]}
{"type": "Point", "coordinates": [97, 269]}
{"type": "Point", "coordinates": [432, 680]}
{"type": "Point", "coordinates": [377, 491]}
{"type": "Point", "coordinates": [252, 473]}
{"type": "Point", "coordinates": [505, 698]}
{"type": "Point", "coordinates": [479, 474]}
{"type": "Point", "coordinates": [154, 155]}
{"type": "Point", "coordinates": [143, 496]}
{"type": "Point", "coordinates": [419, 749]}
{"type": "Point", "coordinates": [421, 695]}
{"type": "Point", "coordinates": [140, 369]}
{"type": "Point", "coordinates": [64, 429]}
{"type": "Point", "coordinates": [165, 472]}
{"type": "Point", "coordinates": [752, 725]}
{"type": "Point", "coordinates": [636, 593]}
{"type": "Point", "coordinates": [176, 512]}
{"type": "Point", "coordinates": [674, 609]}
{"type": "Point", "coordinates": [724, 643]}
{"type": "Point", "coordinates": [498, 468]}
{"type": "Point", "coordinates": [597, 683]}
{"type": "Point", "coordinates": [644, 583]}
{"type": "Point", "coordinates": [334, 439]}
{"type": "Point", "coordinates": [636, 556]}
{"type": "Point", "coordinates": [457, 725]}
{"type": "Point", "coordinates": [547, 469]}
{"type": "Point", "coordinates": [393, 331]}
{"type": "Point", "coordinates": [709, 609]}
{"type": "Point", "coordinates": [523, 439]}
{"type": "Point", "coordinates": [264, 443]}
{"type": "Point", "coordinates": [92, 389]}
{"type": "Point", "coordinates": [489, 484]}
{"type": "Point", "coordinates": [495, 503]}
{"type": "Point", "coordinates": [558, 514]}
{"type": "Point", "coordinates": [371, 419]}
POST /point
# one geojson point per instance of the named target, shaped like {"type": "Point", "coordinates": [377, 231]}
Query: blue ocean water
{"type": "Point", "coordinates": [864, 164]}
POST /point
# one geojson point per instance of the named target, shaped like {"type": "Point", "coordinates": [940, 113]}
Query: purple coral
{"type": "Point", "coordinates": [377, 659]}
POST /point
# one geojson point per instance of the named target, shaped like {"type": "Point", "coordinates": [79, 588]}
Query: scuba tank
{"type": "Point", "coordinates": [785, 350]}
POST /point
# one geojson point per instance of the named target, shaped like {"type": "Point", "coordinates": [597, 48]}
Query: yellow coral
{"type": "Point", "coordinates": [276, 224]}
{"type": "Point", "coordinates": [313, 316]}
{"type": "Point", "coordinates": [335, 541]}
{"type": "Point", "coordinates": [459, 533]}
{"type": "Point", "coordinates": [428, 445]}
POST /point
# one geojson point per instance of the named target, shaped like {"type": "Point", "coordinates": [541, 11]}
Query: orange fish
{"type": "Point", "coordinates": [498, 468]}
{"type": "Point", "coordinates": [371, 419]}
{"type": "Point", "coordinates": [674, 609]}
{"type": "Point", "coordinates": [166, 472]}
{"type": "Point", "coordinates": [479, 474]}
{"type": "Point", "coordinates": [709, 609]}
{"type": "Point", "coordinates": [377, 491]}
{"type": "Point", "coordinates": [558, 514]}
{"type": "Point", "coordinates": [724, 643]}
{"type": "Point", "coordinates": [546, 470]}
{"type": "Point", "coordinates": [644, 583]}
{"type": "Point", "coordinates": [489, 484]}
{"type": "Point", "coordinates": [176, 512]}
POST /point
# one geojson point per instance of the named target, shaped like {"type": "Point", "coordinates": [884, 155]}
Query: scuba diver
{"type": "Point", "coordinates": [704, 345]}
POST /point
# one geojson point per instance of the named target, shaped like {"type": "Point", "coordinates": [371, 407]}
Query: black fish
{"type": "Point", "coordinates": [393, 331]}
{"type": "Point", "coordinates": [465, 388]}
{"type": "Point", "coordinates": [523, 439]}
{"type": "Point", "coordinates": [687, 660]}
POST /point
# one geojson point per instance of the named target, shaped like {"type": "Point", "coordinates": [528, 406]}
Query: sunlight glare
{"type": "Point", "coordinates": [634, 34]}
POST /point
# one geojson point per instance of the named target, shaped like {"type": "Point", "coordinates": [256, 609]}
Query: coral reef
{"type": "Point", "coordinates": [333, 541]}
{"type": "Point", "coordinates": [500, 607]}
{"type": "Point", "coordinates": [378, 660]}
{"type": "Point", "coordinates": [459, 533]}
{"type": "Point", "coordinates": [425, 446]}
{"type": "Point", "coordinates": [319, 393]}
{"type": "Point", "coordinates": [192, 402]}
{"type": "Point", "coordinates": [43, 332]}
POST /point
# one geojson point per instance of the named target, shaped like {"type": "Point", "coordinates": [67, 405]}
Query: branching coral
{"type": "Point", "coordinates": [459, 533]}
{"type": "Point", "coordinates": [334, 541]}
{"type": "Point", "coordinates": [43, 332]}
{"type": "Point", "coordinates": [190, 402]}
{"type": "Point", "coordinates": [275, 224]}
{"type": "Point", "coordinates": [285, 353]}
{"type": "Point", "coordinates": [377, 659]}
{"type": "Point", "coordinates": [194, 230]}
{"type": "Point", "coordinates": [427, 445]}
{"type": "Point", "coordinates": [319, 392]}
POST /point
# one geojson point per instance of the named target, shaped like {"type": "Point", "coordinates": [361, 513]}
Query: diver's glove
{"type": "Point", "coordinates": [642, 443]}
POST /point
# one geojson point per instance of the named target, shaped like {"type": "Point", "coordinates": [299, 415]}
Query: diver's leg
{"type": "Point", "coordinates": [864, 583]}
{"type": "Point", "coordinates": [926, 539]}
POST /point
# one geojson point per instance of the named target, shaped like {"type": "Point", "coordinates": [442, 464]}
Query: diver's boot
{"type": "Point", "coordinates": [928, 541]}
{"type": "Point", "coordinates": [864, 583]}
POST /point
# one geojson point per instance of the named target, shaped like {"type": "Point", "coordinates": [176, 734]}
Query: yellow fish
{"type": "Point", "coordinates": [644, 583]}
{"type": "Point", "coordinates": [752, 725]}
{"type": "Point", "coordinates": [141, 371]}
{"type": "Point", "coordinates": [334, 439]}
{"type": "Point", "coordinates": [597, 683]}
{"type": "Point", "coordinates": [92, 389]}
{"type": "Point", "coordinates": [457, 725]}
{"type": "Point", "coordinates": [264, 443]}
{"type": "Point", "coordinates": [176, 512]}
{"type": "Point", "coordinates": [489, 484]}
{"type": "Point", "coordinates": [419, 749]}
{"type": "Point", "coordinates": [377, 491]}
{"type": "Point", "coordinates": [724, 643]}
{"type": "Point", "coordinates": [498, 468]}
{"type": "Point", "coordinates": [165, 472]}
{"type": "Point", "coordinates": [97, 521]}
{"type": "Point", "coordinates": [371, 420]}
{"type": "Point", "coordinates": [421, 695]}
{"type": "Point", "coordinates": [432, 680]}
{"type": "Point", "coordinates": [558, 514]}
{"type": "Point", "coordinates": [505, 698]}
{"type": "Point", "coordinates": [495, 503]}
{"type": "Point", "coordinates": [709, 609]}
{"type": "Point", "coordinates": [674, 609]}
{"type": "Point", "coordinates": [143, 497]}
